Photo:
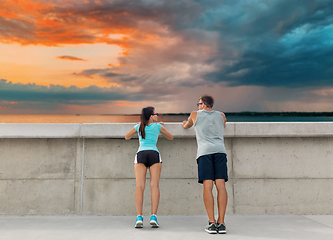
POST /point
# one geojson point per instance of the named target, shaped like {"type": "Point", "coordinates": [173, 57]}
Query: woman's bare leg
{"type": "Point", "coordinates": [140, 176]}
{"type": "Point", "coordinates": [155, 172]}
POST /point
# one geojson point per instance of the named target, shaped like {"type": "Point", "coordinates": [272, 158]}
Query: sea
{"type": "Point", "coordinates": [162, 118]}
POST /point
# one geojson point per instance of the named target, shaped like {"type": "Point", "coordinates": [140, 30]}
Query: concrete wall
{"type": "Point", "coordinates": [87, 169]}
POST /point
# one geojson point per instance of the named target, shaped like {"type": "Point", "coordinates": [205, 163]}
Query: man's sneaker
{"type": "Point", "coordinates": [139, 222]}
{"type": "Point", "coordinates": [221, 228]}
{"type": "Point", "coordinates": [211, 228]}
{"type": "Point", "coordinates": [153, 221]}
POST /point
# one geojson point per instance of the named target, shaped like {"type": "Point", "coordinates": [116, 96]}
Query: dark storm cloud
{"type": "Point", "coordinates": [263, 43]}
{"type": "Point", "coordinates": [307, 68]}
{"type": "Point", "coordinates": [91, 72]}
{"type": "Point", "coordinates": [59, 94]}
{"type": "Point", "coordinates": [275, 43]}
{"type": "Point", "coordinates": [108, 74]}
{"type": "Point", "coordinates": [131, 14]}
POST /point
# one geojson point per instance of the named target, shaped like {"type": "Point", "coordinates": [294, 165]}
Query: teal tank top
{"type": "Point", "coordinates": [149, 142]}
{"type": "Point", "coordinates": [209, 128]}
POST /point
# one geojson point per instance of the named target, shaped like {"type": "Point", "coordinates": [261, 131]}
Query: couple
{"type": "Point", "coordinates": [211, 159]}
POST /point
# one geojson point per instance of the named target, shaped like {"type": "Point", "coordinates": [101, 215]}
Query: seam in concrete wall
{"type": "Point", "coordinates": [80, 130]}
{"type": "Point", "coordinates": [232, 172]}
{"type": "Point", "coordinates": [82, 174]}
{"type": "Point", "coordinates": [75, 174]}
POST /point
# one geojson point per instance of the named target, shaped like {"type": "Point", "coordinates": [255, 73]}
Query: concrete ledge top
{"type": "Point", "coordinates": [39, 130]}
{"type": "Point", "coordinates": [118, 130]}
{"type": "Point", "coordinates": [284, 129]}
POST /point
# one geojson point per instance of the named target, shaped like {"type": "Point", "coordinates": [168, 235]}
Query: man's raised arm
{"type": "Point", "coordinates": [190, 121]}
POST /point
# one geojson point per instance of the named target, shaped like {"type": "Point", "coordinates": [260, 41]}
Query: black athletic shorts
{"type": "Point", "coordinates": [148, 157]}
{"type": "Point", "coordinates": [212, 167]}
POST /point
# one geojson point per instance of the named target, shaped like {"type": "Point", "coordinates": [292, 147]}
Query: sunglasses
{"type": "Point", "coordinates": [198, 104]}
{"type": "Point", "coordinates": [155, 114]}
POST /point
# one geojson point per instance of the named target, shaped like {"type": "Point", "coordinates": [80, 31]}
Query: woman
{"type": "Point", "coordinates": [148, 156]}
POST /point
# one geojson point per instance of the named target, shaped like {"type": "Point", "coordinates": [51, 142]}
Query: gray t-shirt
{"type": "Point", "coordinates": [209, 128]}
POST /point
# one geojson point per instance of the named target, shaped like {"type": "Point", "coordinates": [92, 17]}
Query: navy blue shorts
{"type": "Point", "coordinates": [148, 157]}
{"type": "Point", "coordinates": [212, 167]}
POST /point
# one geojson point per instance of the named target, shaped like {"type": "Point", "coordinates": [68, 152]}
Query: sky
{"type": "Point", "coordinates": [118, 56]}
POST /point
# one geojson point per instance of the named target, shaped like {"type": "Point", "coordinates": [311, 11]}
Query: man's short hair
{"type": "Point", "coordinates": [207, 100]}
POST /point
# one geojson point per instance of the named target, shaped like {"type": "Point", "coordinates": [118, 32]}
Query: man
{"type": "Point", "coordinates": [211, 158]}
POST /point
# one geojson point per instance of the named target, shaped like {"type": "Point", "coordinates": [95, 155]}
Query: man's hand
{"type": "Point", "coordinates": [184, 123]}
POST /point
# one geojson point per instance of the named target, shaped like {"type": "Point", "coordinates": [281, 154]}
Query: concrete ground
{"type": "Point", "coordinates": [172, 227]}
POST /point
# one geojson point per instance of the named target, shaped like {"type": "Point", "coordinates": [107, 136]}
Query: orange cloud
{"type": "Point", "coordinates": [59, 23]}
{"type": "Point", "coordinates": [17, 8]}
{"type": "Point", "coordinates": [71, 58]}
{"type": "Point", "coordinates": [115, 65]}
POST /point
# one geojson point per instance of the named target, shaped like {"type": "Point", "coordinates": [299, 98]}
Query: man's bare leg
{"type": "Point", "coordinates": [222, 199]}
{"type": "Point", "coordinates": [209, 199]}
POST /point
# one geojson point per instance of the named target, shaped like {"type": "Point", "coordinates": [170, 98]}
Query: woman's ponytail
{"type": "Point", "coordinates": [145, 116]}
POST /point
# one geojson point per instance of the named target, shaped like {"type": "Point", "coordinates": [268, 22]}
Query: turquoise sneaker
{"type": "Point", "coordinates": [153, 221]}
{"type": "Point", "coordinates": [139, 221]}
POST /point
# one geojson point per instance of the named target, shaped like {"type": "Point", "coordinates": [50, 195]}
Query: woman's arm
{"type": "Point", "coordinates": [130, 134]}
{"type": "Point", "coordinates": [166, 133]}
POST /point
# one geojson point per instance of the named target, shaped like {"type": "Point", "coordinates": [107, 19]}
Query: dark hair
{"type": "Point", "coordinates": [145, 116]}
{"type": "Point", "coordinates": [207, 100]}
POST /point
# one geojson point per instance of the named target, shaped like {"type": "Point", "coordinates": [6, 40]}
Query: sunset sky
{"type": "Point", "coordinates": [117, 56]}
